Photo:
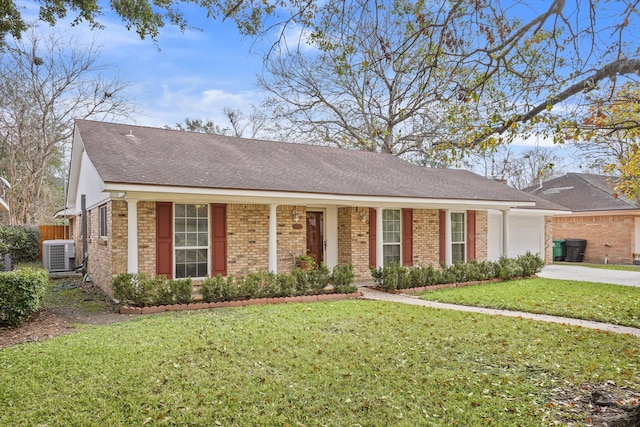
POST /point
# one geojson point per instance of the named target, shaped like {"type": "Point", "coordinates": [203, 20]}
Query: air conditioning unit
{"type": "Point", "coordinates": [59, 255]}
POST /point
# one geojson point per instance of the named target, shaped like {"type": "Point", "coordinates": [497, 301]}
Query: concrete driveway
{"type": "Point", "coordinates": [587, 274]}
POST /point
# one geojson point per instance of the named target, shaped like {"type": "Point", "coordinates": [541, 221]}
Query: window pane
{"type": "Point", "coordinates": [203, 211]}
{"type": "Point", "coordinates": [390, 226]}
{"type": "Point", "coordinates": [192, 239]}
{"type": "Point", "coordinates": [192, 224]}
{"type": "Point", "coordinates": [191, 231]}
{"type": "Point", "coordinates": [457, 227]}
{"type": "Point", "coordinates": [180, 271]}
{"type": "Point", "coordinates": [457, 252]}
{"type": "Point", "coordinates": [391, 253]}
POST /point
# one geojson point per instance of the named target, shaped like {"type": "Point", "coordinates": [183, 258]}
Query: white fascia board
{"type": "Point", "coordinates": [159, 193]}
{"type": "Point", "coordinates": [544, 212]}
{"type": "Point", "coordinates": [619, 212]}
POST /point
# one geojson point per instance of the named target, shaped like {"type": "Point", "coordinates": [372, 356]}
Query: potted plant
{"type": "Point", "coordinates": [636, 258]}
{"type": "Point", "coordinates": [305, 262]}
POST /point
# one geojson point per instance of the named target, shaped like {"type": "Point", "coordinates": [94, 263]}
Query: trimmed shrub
{"type": "Point", "coordinates": [22, 241]}
{"type": "Point", "coordinates": [182, 290]}
{"type": "Point", "coordinates": [144, 290]}
{"type": "Point", "coordinates": [218, 289]}
{"type": "Point", "coordinates": [21, 294]}
{"type": "Point", "coordinates": [342, 278]}
{"type": "Point", "coordinates": [395, 276]}
{"type": "Point", "coordinates": [531, 263]}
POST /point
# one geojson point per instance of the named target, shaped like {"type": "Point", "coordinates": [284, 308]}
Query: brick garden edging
{"type": "Point", "coordinates": [237, 303]}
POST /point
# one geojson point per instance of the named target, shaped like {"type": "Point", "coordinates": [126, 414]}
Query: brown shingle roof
{"type": "Point", "coordinates": [583, 192]}
{"type": "Point", "coordinates": [141, 155]}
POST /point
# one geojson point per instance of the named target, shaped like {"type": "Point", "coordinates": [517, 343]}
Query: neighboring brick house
{"type": "Point", "coordinates": [606, 219]}
{"type": "Point", "coordinates": [190, 205]}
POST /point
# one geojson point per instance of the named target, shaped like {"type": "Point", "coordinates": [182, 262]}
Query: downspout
{"type": "Point", "coordinates": [85, 249]}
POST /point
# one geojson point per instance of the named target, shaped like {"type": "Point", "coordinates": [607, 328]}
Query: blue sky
{"type": "Point", "coordinates": [194, 74]}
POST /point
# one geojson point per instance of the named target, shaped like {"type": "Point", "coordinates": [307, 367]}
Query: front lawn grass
{"type": "Point", "coordinates": [343, 363]}
{"type": "Point", "coordinates": [599, 302]}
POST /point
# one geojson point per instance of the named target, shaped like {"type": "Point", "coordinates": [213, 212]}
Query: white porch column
{"type": "Point", "coordinates": [331, 236]}
{"type": "Point", "coordinates": [505, 233]}
{"type": "Point", "coordinates": [379, 239]}
{"type": "Point", "coordinates": [132, 235]}
{"type": "Point", "coordinates": [273, 239]}
{"type": "Point", "coordinates": [447, 237]}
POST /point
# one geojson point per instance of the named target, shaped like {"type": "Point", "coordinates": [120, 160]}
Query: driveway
{"type": "Point", "coordinates": [587, 274]}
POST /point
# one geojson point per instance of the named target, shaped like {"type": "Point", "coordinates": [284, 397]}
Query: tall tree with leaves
{"type": "Point", "coordinates": [45, 83]}
{"type": "Point", "coordinates": [609, 137]}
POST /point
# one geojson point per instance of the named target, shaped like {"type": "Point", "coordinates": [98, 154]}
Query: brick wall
{"type": "Point", "coordinates": [147, 237]}
{"type": "Point", "coordinates": [247, 238]}
{"type": "Point", "coordinates": [353, 239]}
{"type": "Point", "coordinates": [426, 237]}
{"type": "Point", "coordinates": [292, 236]}
{"type": "Point", "coordinates": [611, 236]}
{"type": "Point", "coordinates": [548, 239]}
{"type": "Point", "coordinates": [482, 232]}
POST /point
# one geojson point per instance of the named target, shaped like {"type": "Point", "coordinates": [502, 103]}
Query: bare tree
{"type": "Point", "coordinates": [255, 123]}
{"type": "Point", "coordinates": [521, 170]}
{"type": "Point", "coordinates": [45, 83]}
{"type": "Point", "coordinates": [365, 89]}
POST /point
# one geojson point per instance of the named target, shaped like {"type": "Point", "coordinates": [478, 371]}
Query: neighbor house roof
{"type": "Point", "coordinates": [127, 154]}
{"type": "Point", "coordinates": [584, 192]}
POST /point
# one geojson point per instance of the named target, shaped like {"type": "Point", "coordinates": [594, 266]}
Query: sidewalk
{"type": "Point", "coordinates": [372, 294]}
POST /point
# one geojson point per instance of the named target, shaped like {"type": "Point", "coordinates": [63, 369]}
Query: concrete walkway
{"type": "Point", "coordinates": [372, 294]}
{"type": "Point", "coordinates": [587, 274]}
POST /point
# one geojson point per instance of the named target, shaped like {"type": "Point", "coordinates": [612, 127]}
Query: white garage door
{"type": "Point", "coordinates": [526, 233]}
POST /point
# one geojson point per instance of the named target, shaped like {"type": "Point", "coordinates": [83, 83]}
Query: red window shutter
{"type": "Point", "coordinates": [372, 237]}
{"type": "Point", "coordinates": [443, 239]}
{"type": "Point", "coordinates": [471, 235]}
{"type": "Point", "coordinates": [407, 237]}
{"type": "Point", "coordinates": [218, 239]}
{"type": "Point", "coordinates": [164, 238]}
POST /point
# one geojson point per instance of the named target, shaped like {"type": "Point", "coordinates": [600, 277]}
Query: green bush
{"type": "Point", "coordinates": [531, 263]}
{"type": "Point", "coordinates": [144, 290]}
{"type": "Point", "coordinates": [342, 278]}
{"type": "Point", "coordinates": [218, 288]}
{"type": "Point", "coordinates": [21, 294]}
{"type": "Point", "coordinates": [395, 276]}
{"type": "Point", "coordinates": [22, 241]}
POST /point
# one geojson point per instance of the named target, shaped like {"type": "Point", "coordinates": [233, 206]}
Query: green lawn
{"type": "Point", "coordinates": [581, 300]}
{"type": "Point", "coordinates": [344, 363]}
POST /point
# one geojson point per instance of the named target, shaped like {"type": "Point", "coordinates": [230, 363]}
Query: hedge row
{"type": "Point", "coordinates": [22, 241]}
{"type": "Point", "coordinates": [141, 290]}
{"type": "Point", "coordinates": [21, 293]}
{"type": "Point", "coordinates": [396, 276]}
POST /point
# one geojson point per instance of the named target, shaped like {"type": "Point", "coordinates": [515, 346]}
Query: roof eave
{"type": "Point", "coordinates": [157, 192]}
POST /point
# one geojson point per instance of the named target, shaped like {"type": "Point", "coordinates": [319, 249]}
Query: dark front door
{"type": "Point", "coordinates": [315, 236]}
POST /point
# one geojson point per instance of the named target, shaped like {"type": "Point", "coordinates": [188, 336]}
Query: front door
{"type": "Point", "coordinates": [315, 236]}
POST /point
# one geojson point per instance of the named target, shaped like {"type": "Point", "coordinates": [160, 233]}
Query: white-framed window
{"type": "Point", "coordinates": [103, 222]}
{"type": "Point", "coordinates": [391, 235]}
{"type": "Point", "coordinates": [458, 237]}
{"type": "Point", "coordinates": [191, 240]}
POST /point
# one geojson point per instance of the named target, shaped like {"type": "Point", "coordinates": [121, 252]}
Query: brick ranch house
{"type": "Point", "coordinates": [607, 220]}
{"type": "Point", "coordinates": [190, 205]}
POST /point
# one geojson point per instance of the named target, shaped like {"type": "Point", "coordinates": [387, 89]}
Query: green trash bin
{"type": "Point", "coordinates": [559, 250]}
